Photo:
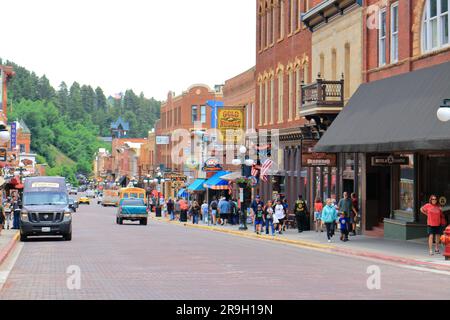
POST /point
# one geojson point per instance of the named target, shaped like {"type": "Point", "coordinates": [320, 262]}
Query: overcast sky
{"type": "Point", "coordinates": [145, 45]}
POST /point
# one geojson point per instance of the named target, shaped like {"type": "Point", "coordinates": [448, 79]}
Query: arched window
{"type": "Point", "coordinates": [436, 27]}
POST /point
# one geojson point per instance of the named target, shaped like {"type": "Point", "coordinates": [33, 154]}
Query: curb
{"type": "Point", "coordinates": [9, 248]}
{"type": "Point", "coordinates": [324, 248]}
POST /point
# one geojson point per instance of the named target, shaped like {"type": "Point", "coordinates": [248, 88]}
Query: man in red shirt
{"type": "Point", "coordinates": [435, 215]}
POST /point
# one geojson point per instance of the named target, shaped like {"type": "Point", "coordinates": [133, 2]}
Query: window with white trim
{"type": "Point", "coordinates": [280, 96]}
{"type": "Point", "coordinates": [382, 38]}
{"type": "Point", "coordinates": [436, 27]}
{"type": "Point", "coordinates": [203, 114]}
{"type": "Point", "coordinates": [394, 32]}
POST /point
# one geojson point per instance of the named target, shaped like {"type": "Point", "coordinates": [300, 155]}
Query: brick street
{"type": "Point", "coordinates": [164, 261]}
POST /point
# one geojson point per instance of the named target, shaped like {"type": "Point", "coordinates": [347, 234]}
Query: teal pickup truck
{"type": "Point", "coordinates": [132, 210]}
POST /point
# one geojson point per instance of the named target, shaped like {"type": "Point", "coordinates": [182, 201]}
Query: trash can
{"type": "Point", "coordinates": [183, 216]}
{"type": "Point", "coordinates": [158, 212]}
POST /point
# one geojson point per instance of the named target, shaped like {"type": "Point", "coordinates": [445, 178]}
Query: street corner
{"type": "Point", "coordinates": [8, 240]}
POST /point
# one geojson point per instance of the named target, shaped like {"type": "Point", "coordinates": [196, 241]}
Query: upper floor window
{"type": "Point", "coordinates": [436, 28]}
{"type": "Point", "coordinates": [22, 148]}
{"type": "Point", "coordinates": [394, 32]}
{"type": "Point", "coordinates": [195, 117]}
{"type": "Point", "coordinates": [382, 38]}
{"type": "Point", "coordinates": [203, 114]}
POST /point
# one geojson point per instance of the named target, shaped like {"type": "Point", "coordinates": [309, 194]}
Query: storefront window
{"type": "Point", "coordinates": [439, 179]}
{"type": "Point", "coordinates": [325, 183]}
{"type": "Point", "coordinates": [318, 185]}
{"type": "Point", "coordinates": [407, 179]}
{"type": "Point", "coordinates": [333, 190]}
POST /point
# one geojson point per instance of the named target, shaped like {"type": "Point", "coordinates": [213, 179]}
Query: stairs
{"type": "Point", "coordinates": [376, 232]}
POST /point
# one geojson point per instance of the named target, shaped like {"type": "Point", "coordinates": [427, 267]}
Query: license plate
{"type": "Point", "coordinates": [46, 229]}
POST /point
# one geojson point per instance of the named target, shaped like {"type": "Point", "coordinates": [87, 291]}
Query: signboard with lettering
{"type": "Point", "coordinates": [3, 154]}
{"type": "Point", "coordinates": [319, 160]}
{"type": "Point", "coordinates": [230, 118]}
{"type": "Point", "coordinates": [1, 89]}
{"type": "Point", "coordinates": [13, 135]}
{"type": "Point", "coordinates": [162, 140]}
{"type": "Point", "coordinates": [212, 164]}
{"type": "Point", "coordinates": [390, 161]}
{"type": "Point", "coordinates": [315, 159]}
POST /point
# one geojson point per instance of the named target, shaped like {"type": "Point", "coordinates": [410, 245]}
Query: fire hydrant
{"type": "Point", "coordinates": [445, 239]}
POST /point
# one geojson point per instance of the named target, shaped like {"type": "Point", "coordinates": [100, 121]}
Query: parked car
{"type": "Point", "coordinates": [73, 191]}
{"type": "Point", "coordinates": [110, 198]}
{"type": "Point", "coordinates": [99, 198]}
{"type": "Point", "coordinates": [132, 210]}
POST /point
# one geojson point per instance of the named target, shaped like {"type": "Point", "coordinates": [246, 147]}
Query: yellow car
{"type": "Point", "coordinates": [84, 200]}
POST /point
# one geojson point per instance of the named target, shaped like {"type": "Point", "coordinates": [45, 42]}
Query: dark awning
{"type": "Point", "coordinates": [394, 114]}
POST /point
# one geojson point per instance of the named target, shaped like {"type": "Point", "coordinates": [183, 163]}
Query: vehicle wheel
{"type": "Point", "coordinates": [68, 237]}
{"type": "Point", "coordinates": [23, 238]}
{"type": "Point", "coordinates": [143, 222]}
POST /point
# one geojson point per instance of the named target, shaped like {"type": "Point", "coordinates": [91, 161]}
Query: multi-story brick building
{"type": "Point", "coordinates": [125, 155]}
{"type": "Point", "coordinates": [182, 112]}
{"type": "Point", "coordinates": [283, 65]}
{"type": "Point", "coordinates": [147, 156]}
{"type": "Point", "coordinates": [390, 123]}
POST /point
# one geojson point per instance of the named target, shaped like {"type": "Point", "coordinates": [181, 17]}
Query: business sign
{"type": "Point", "coordinates": [1, 89]}
{"type": "Point", "coordinates": [230, 118]}
{"type": "Point", "coordinates": [212, 164]}
{"type": "Point", "coordinates": [319, 160]}
{"type": "Point", "coordinates": [316, 159]}
{"type": "Point", "coordinates": [13, 135]}
{"type": "Point", "coordinates": [162, 140]}
{"type": "Point", "coordinates": [390, 161]}
{"type": "Point", "coordinates": [3, 154]}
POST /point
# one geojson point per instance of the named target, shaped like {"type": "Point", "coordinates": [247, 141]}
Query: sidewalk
{"type": "Point", "coordinates": [413, 253]}
{"type": "Point", "coordinates": [8, 240]}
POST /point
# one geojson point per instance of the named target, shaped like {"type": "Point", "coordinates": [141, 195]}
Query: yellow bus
{"type": "Point", "coordinates": [137, 193]}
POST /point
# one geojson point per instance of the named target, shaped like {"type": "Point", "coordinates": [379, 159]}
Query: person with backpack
{"type": "Point", "coordinates": [214, 210]}
{"type": "Point", "coordinates": [234, 215]}
{"type": "Point", "coordinates": [301, 213]}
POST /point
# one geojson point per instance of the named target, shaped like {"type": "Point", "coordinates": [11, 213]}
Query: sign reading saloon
{"type": "Point", "coordinates": [230, 119]}
{"type": "Point", "coordinates": [390, 161]}
{"type": "Point", "coordinates": [319, 160]}
{"type": "Point", "coordinates": [316, 159]}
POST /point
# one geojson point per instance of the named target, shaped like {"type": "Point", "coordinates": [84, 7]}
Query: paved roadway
{"type": "Point", "coordinates": [164, 261]}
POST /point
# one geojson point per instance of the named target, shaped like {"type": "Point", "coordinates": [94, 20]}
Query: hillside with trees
{"type": "Point", "coordinates": [66, 122]}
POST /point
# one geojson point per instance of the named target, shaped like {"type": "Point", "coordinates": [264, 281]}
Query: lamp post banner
{"type": "Point", "coordinates": [13, 135]}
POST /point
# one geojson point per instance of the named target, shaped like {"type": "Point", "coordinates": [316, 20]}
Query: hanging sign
{"type": "Point", "coordinates": [212, 164]}
{"type": "Point", "coordinates": [389, 161]}
{"type": "Point", "coordinates": [229, 118]}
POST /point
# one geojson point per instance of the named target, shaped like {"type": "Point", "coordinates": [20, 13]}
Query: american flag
{"type": "Point", "coordinates": [265, 168]}
{"type": "Point", "coordinates": [255, 170]}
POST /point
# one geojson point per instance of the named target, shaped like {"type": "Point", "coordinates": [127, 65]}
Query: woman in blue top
{"type": "Point", "coordinates": [329, 216]}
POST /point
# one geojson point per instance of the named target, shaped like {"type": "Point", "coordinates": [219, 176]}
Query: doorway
{"type": "Point", "coordinates": [378, 195]}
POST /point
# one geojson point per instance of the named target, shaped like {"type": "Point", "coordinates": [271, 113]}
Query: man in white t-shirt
{"type": "Point", "coordinates": [280, 215]}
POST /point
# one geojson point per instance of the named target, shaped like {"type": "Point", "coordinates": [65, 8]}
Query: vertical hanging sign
{"type": "Point", "coordinates": [13, 135]}
{"type": "Point", "coordinates": [1, 89]}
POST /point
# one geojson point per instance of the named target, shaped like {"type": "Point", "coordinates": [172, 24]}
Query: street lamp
{"type": "Point", "coordinates": [443, 112]}
{"type": "Point", "coordinates": [243, 161]}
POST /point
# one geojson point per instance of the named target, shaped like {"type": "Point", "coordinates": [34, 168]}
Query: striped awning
{"type": "Point", "coordinates": [216, 182]}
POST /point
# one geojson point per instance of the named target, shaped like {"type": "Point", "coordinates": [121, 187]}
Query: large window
{"type": "Point", "coordinates": [436, 28]}
{"type": "Point", "coordinates": [203, 114]}
{"type": "Point", "coordinates": [407, 180]}
{"type": "Point", "coordinates": [394, 32]}
{"type": "Point", "coordinates": [194, 114]}
{"type": "Point", "coordinates": [382, 39]}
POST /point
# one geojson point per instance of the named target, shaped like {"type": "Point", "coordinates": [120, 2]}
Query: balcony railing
{"type": "Point", "coordinates": [323, 96]}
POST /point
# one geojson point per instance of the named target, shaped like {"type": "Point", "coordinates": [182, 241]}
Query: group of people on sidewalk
{"type": "Point", "coordinates": [10, 213]}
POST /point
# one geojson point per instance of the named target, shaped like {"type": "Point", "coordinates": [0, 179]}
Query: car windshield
{"type": "Point", "coordinates": [133, 203]}
{"type": "Point", "coordinates": [45, 198]}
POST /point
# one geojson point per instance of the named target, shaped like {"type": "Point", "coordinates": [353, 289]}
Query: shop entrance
{"type": "Point", "coordinates": [378, 195]}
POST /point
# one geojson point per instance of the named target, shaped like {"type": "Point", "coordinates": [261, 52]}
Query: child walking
{"type": "Point", "coordinates": [344, 222]}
